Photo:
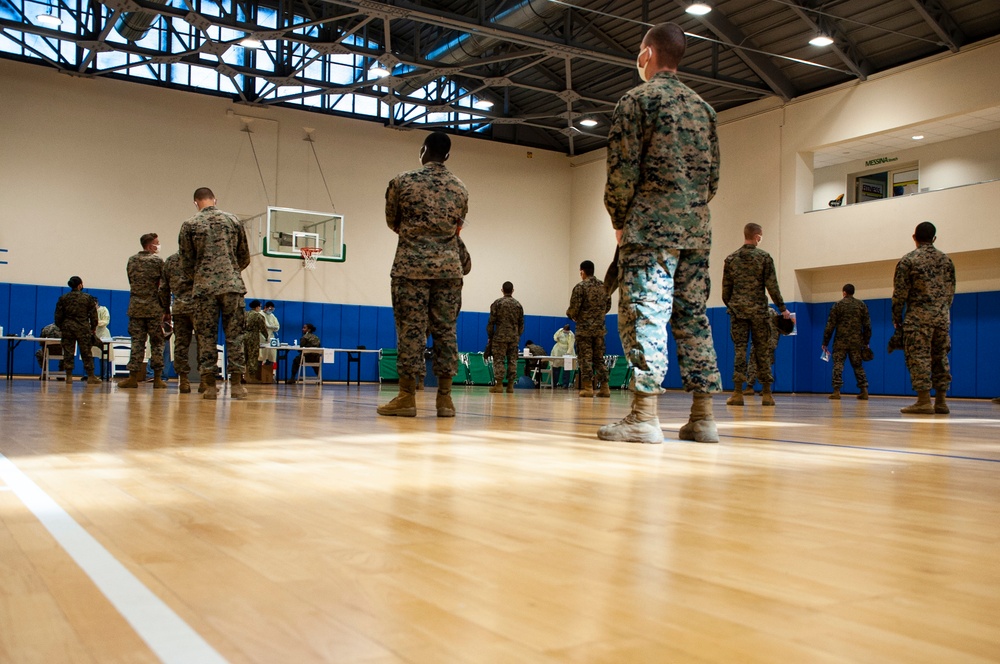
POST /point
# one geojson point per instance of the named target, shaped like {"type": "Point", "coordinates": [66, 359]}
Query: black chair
{"type": "Point", "coordinates": [354, 358]}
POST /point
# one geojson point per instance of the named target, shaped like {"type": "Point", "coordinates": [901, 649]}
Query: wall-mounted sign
{"type": "Point", "coordinates": [881, 160]}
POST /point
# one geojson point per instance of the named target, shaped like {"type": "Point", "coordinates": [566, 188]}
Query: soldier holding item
{"type": "Point", "coordinates": [850, 320]}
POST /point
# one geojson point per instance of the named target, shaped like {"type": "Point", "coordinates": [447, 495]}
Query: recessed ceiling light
{"type": "Point", "coordinates": [918, 137]}
{"type": "Point", "coordinates": [49, 19]}
{"type": "Point", "coordinates": [251, 42]}
{"type": "Point", "coordinates": [698, 9]}
{"type": "Point", "coordinates": [589, 122]}
{"type": "Point", "coordinates": [821, 40]}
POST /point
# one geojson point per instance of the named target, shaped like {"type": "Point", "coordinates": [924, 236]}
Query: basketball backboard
{"type": "Point", "coordinates": [287, 230]}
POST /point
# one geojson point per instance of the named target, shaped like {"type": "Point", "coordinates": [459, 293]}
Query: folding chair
{"type": "Point", "coordinates": [313, 360]}
{"type": "Point", "coordinates": [121, 350]}
{"type": "Point", "coordinates": [51, 352]}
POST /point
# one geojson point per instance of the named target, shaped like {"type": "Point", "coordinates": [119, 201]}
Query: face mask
{"type": "Point", "coordinates": [420, 157]}
{"type": "Point", "coordinates": [641, 69]}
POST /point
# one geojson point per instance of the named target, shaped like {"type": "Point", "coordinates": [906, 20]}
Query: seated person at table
{"type": "Point", "coordinates": [529, 364]}
{"type": "Point", "coordinates": [308, 340]}
{"type": "Point", "coordinates": [50, 331]}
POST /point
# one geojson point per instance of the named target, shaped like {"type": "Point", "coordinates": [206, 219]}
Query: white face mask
{"type": "Point", "coordinates": [420, 157]}
{"type": "Point", "coordinates": [641, 69]}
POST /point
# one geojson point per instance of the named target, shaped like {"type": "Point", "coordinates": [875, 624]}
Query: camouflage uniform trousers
{"type": "Point", "coordinates": [671, 289]}
{"type": "Point", "coordinates": [183, 333]}
{"type": "Point", "coordinates": [251, 352]}
{"type": "Point", "coordinates": [71, 336]}
{"type": "Point", "coordinates": [139, 329]}
{"type": "Point", "coordinates": [768, 357]}
{"type": "Point", "coordinates": [505, 350]}
{"type": "Point", "coordinates": [590, 356]}
{"type": "Point", "coordinates": [926, 349]}
{"type": "Point", "coordinates": [744, 331]}
{"type": "Point", "coordinates": [856, 363]}
{"type": "Point", "coordinates": [427, 308]}
{"type": "Point", "coordinates": [205, 316]}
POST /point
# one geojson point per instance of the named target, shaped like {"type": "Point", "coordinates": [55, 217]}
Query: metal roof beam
{"type": "Point", "coordinates": [843, 46]}
{"type": "Point", "coordinates": [941, 22]}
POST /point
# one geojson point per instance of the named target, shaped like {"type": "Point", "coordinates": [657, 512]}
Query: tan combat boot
{"type": "Point", "coordinates": [922, 406]}
{"type": "Point", "coordinates": [498, 388]}
{"type": "Point", "coordinates": [158, 383]}
{"type": "Point", "coordinates": [419, 383]}
{"type": "Point", "coordinates": [131, 381]}
{"type": "Point", "coordinates": [700, 426]}
{"type": "Point", "coordinates": [510, 386]}
{"type": "Point", "coordinates": [863, 394]}
{"type": "Point", "coordinates": [405, 403]}
{"type": "Point", "coordinates": [605, 391]}
{"type": "Point", "coordinates": [185, 384]}
{"type": "Point", "coordinates": [767, 399]}
{"type": "Point", "coordinates": [737, 398]}
{"type": "Point", "coordinates": [639, 426]}
{"type": "Point", "coordinates": [444, 404]}
{"type": "Point", "coordinates": [586, 388]}
{"type": "Point", "coordinates": [940, 403]}
{"type": "Point", "coordinates": [236, 388]}
{"type": "Point", "coordinates": [92, 379]}
{"type": "Point", "coordinates": [835, 395]}
{"type": "Point", "coordinates": [210, 391]}
{"type": "Point", "coordinates": [69, 375]}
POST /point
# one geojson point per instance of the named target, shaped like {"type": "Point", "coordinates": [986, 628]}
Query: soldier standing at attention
{"type": "Point", "coordinates": [426, 209]}
{"type": "Point", "coordinates": [748, 273]}
{"type": "Point", "coordinates": [176, 282]}
{"type": "Point", "coordinates": [922, 291]}
{"type": "Point", "coordinates": [853, 325]}
{"type": "Point", "coordinates": [503, 331]}
{"type": "Point", "coordinates": [255, 333]}
{"type": "Point", "coordinates": [663, 169]}
{"type": "Point", "coordinates": [214, 251]}
{"type": "Point", "coordinates": [76, 318]}
{"type": "Point", "coordinates": [145, 312]}
{"type": "Point", "coordinates": [588, 305]}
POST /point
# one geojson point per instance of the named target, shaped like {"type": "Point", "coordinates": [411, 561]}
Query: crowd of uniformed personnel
{"type": "Point", "coordinates": [663, 169]}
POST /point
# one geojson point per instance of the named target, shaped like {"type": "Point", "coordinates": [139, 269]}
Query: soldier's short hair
{"type": "Point", "coordinates": [507, 288]}
{"type": "Point", "coordinates": [74, 281]}
{"type": "Point", "coordinates": [438, 144]}
{"type": "Point", "coordinates": [268, 304]}
{"type": "Point", "coordinates": [254, 304]}
{"type": "Point", "coordinates": [752, 229]}
{"type": "Point", "coordinates": [203, 194]}
{"type": "Point", "coordinates": [669, 42]}
{"type": "Point", "coordinates": [588, 268]}
{"type": "Point", "coordinates": [925, 232]}
{"type": "Point", "coordinates": [849, 289]}
{"type": "Point", "coordinates": [147, 238]}
{"type": "Point", "coordinates": [310, 327]}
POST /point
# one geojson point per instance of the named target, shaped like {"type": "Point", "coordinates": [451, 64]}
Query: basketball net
{"type": "Point", "coordinates": [309, 256]}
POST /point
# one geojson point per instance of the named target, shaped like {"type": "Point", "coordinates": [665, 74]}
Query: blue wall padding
{"type": "Point", "coordinates": [974, 358]}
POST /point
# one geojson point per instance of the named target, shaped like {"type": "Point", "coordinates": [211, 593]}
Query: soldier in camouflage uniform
{"type": "Point", "coordinates": [176, 282]}
{"type": "Point", "coordinates": [748, 273]}
{"type": "Point", "coordinates": [214, 251]}
{"type": "Point", "coordinates": [588, 305]}
{"type": "Point", "coordinates": [255, 333]}
{"type": "Point", "coordinates": [145, 312]}
{"type": "Point", "coordinates": [426, 209]}
{"type": "Point", "coordinates": [503, 331]}
{"type": "Point", "coordinates": [76, 318]}
{"type": "Point", "coordinates": [663, 169]}
{"type": "Point", "coordinates": [923, 288]}
{"type": "Point", "coordinates": [769, 350]}
{"type": "Point", "coordinates": [50, 331]}
{"type": "Point", "coordinates": [853, 325]}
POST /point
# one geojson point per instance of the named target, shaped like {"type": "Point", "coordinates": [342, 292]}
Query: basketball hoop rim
{"type": "Point", "coordinates": [309, 251]}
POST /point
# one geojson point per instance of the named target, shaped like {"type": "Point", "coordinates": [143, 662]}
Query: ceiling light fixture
{"type": "Point", "coordinates": [821, 40]}
{"type": "Point", "coordinates": [698, 9]}
{"type": "Point", "coordinates": [482, 104]}
{"type": "Point", "coordinates": [589, 122]}
{"type": "Point", "coordinates": [378, 70]}
{"type": "Point", "coordinates": [918, 137]}
{"type": "Point", "coordinates": [251, 42]}
{"type": "Point", "coordinates": [49, 19]}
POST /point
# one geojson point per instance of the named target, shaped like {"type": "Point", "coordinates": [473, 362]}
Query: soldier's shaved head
{"type": "Point", "coordinates": [925, 232]}
{"type": "Point", "coordinates": [203, 194]}
{"type": "Point", "coordinates": [751, 230]}
{"type": "Point", "coordinates": [587, 267]}
{"type": "Point", "coordinates": [437, 145]}
{"type": "Point", "coordinates": [507, 288]}
{"type": "Point", "coordinates": [668, 43]}
{"type": "Point", "coordinates": [849, 289]}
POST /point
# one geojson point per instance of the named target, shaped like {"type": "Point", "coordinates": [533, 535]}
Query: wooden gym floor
{"type": "Point", "coordinates": [297, 526]}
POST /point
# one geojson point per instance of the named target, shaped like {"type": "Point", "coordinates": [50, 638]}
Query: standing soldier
{"type": "Point", "coordinates": [255, 333]}
{"type": "Point", "coordinates": [426, 209]}
{"type": "Point", "coordinates": [176, 282]}
{"type": "Point", "coordinates": [145, 312]}
{"type": "Point", "coordinates": [923, 287]}
{"type": "Point", "coordinates": [663, 169]}
{"type": "Point", "coordinates": [748, 273]}
{"type": "Point", "coordinates": [76, 318]}
{"type": "Point", "coordinates": [588, 305]}
{"type": "Point", "coordinates": [850, 319]}
{"type": "Point", "coordinates": [503, 331]}
{"type": "Point", "coordinates": [214, 251]}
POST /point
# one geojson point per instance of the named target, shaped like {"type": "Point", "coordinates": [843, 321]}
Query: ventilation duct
{"type": "Point", "coordinates": [133, 26]}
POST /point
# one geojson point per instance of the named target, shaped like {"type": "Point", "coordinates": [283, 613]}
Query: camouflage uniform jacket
{"type": "Point", "coordinates": [425, 208]}
{"type": "Point", "coordinates": [506, 321]}
{"type": "Point", "coordinates": [214, 251]}
{"type": "Point", "coordinates": [310, 340]}
{"type": "Point", "coordinates": [587, 306]}
{"type": "Point", "coordinates": [76, 310]}
{"type": "Point", "coordinates": [144, 273]}
{"type": "Point", "coordinates": [255, 322]}
{"type": "Point", "coordinates": [747, 273]}
{"type": "Point", "coordinates": [851, 320]}
{"type": "Point", "coordinates": [50, 331]}
{"type": "Point", "coordinates": [177, 282]}
{"type": "Point", "coordinates": [924, 285]}
{"type": "Point", "coordinates": [663, 166]}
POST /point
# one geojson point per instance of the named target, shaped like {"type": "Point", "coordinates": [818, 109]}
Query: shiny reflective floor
{"type": "Point", "coordinates": [298, 526]}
